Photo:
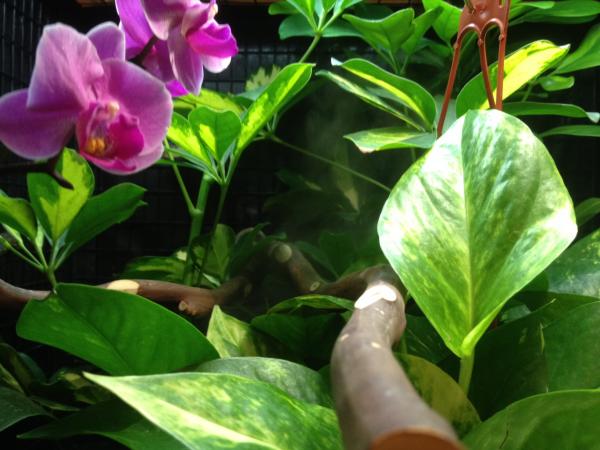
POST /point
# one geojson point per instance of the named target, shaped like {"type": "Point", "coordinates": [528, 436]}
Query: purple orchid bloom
{"type": "Point", "coordinates": [119, 113]}
{"type": "Point", "coordinates": [184, 39]}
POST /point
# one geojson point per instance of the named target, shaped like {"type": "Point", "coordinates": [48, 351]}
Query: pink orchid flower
{"type": "Point", "coordinates": [119, 113]}
{"type": "Point", "coordinates": [184, 38]}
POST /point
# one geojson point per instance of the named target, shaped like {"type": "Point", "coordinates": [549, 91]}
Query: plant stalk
{"type": "Point", "coordinates": [466, 371]}
{"type": "Point", "coordinates": [310, 48]}
{"type": "Point", "coordinates": [331, 163]}
{"type": "Point", "coordinates": [197, 215]}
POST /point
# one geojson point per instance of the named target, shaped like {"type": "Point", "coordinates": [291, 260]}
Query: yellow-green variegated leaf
{"type": "Point", "coordinates": [389, 86]}
{"type": "Point", "coordinates": [475, 220]}
{"type": "Point", "coordinates": [217, 130]}
{"type": "Point", "coordinates": [182, 134]}
{"type": "Point", "coordinates": [386, 34]}
{"type": "Point", "coordinates": [216, 410]}
{"type": "Point", "coordinates": [282, 89]}
{"type": "Point", "coordinates": [520, 67]}
{"type": "Point", "coordinates": [378, 139]}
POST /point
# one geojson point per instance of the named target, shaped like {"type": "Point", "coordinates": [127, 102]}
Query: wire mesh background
{"type": "Point", "coordinates": [162, 227]}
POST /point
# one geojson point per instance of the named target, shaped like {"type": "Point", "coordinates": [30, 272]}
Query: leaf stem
{"type": "Point", "coordinates": [466, 370]}
{"type": "Point", "coordinates": [310, 48]}
{"type": "Point", "coordinates": [184, 191]}
{"type": "Point", "coordinates": [197, 214]}
{"type": "Point", "coordinates": [330, 162]}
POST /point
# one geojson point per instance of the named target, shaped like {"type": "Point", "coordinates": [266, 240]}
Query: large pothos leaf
{"type": "Point", "coordinates": [587, 54]}
{"type": "Point", "coordinates": [563, 11]}
{"type": "Point", "coordinates": [112, 419]}
{"type": "Point", "coordinates": [577, 270]}
{"type": "Point", "coordinates": [587, 210]}
{"type": "Point", "coordinates": [294, 379]}
{"type": "Point", "coordinates": [232, 337]}
{"type": "Point", "coordinates": [475, 220]}
{"type": "Point", "coordinates": [564, 420]}
{"type": "Point", "coordinates": [549, 109]}
{"type": "Point", "coordinates": [118, 332]}
{"type": "Point", "coordinates": [56, 206]}
{"type": "Point", "coordinates": [571, 349]}
{"type": "Point", "coordinates": [520, 67]}
{"type": "Point", "coordinates": [16, 406]}
{"type": "Point", "coordinates": [441, 392]}
{"type": "Point", "coordinates": [286, 85]}
{"type": "Point", "coordinates": [226, 411]}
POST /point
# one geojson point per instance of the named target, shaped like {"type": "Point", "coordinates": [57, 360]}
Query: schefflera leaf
{"type": "Point", "coordinates": [216, 411]}
{"type": "Point", "coordinates": [473, 221]}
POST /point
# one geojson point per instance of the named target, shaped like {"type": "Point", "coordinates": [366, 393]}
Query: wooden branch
{"type": "Point", "coordinates": [377, 406]}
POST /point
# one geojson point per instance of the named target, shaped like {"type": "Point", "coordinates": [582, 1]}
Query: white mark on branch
{"type": "Point", "coordinates": [375, 293]}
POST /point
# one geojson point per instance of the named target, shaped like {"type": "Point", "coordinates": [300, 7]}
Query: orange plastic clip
{"type": "Point", "coordinates": [479, 16]}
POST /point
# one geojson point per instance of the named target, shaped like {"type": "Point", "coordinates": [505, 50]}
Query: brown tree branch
{"type": "Point", "coordinates": [377, 406]}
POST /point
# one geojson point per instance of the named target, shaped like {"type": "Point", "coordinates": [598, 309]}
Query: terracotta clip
{"type": "Point", "coordinates": [479, 16]}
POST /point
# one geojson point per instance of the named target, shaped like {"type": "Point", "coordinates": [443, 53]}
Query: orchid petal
{"type": "Point", "coordinates": [197, 16]}
{"type": "Point", "coordinates": [158, 62]}
{"type": "Point", "coordinates": [163, 15]}
{"type": "Point", "coordinates": [215, 64]}
{"type": "Point", "coordinates": [33, 134]}
{"type": "Point", "coordinates": [140, 95]}
{"type": "Point", "coordinates": [66, 67]}
{"type": "Point", "coordinates": [176, 88]}
{"type": "Point", "coordinates": [187, 64]}
{"type": "Point", "coordinates": [132, 47]}
{"type": "Point", "coordinates": [127, 138]}
{"type": "Point", "coordinates": [134, 22]}
{"type": "Point", "coordinates": [213, 40]}
{"type": "Point", "coordinates": [109, 40]}
{"type": "Point", "coordinates": [113, 165]}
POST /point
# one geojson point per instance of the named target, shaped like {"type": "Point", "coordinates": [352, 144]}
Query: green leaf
{"type": "Point", "coordinates": [15, 407]}
{"type": "Point", "coordinates": [101, 212]}
{"type": "Point", "coordinates": [164, 268]}
{"type": "Point", "coordinates": [385, 34]}
{"type": "Point", "coordinates": [379, 139]}
{"type": "Point", "coordinates": [559, 420]}
{"type": "Point", "coordinates": [318, 302]}
{"type": "Point", "coordinates": [564, 11]}
{"type": "Point", "coordinates": [342, 5]}
{"type": "Point", "coordinates": [446, 24]}
{"type": "Point", "coordinates": [422, 340]}
{"type": "Point", "coordinates": [232, 337]}
{"type": "Point", "coordinates": [220, 245]}
{"type": "Point", "coordinates": [441, 392]}
{"type": "Point", "coordinates": [573, 130]}
{"type": "Point", "coordinates": [282, 7]}
{"type": "Point", "coordinates": [586, 210]}
{"type": "Point", "coordinates": [571, 348]}
{"type": "Point", "coordinates": [217, 130]}
{"type": "Point", "coordinates": [297, 26]}
{"type": "Point", "coordinates": [112, 419]}
{"type": "Point", "coordinates": [509, 365]}
{"type": "Point", "coordinates": [295, 380]}
{"type": "Point", "coordinates": [182, 134]}
{"type": "Point", "coordinates": [54, 206]}
{"type": "Point", "coordinates": [455, 230]}
{"type": "Point", "coordinates": [520, 67]}
{"type": "Point", "coordinates": [553, 83]}
{"type": "Point", "coordinates": [118, 332]}
{"type": "Point", "coordinates": [18, 214]}
{"type": "Point", "coordinates": [286, 85]}
{"type": "Point", "coordinates": [549, 109]}
{"type": "Point", "coordinates": [587, 54]}
{"type": "Point", "coordinates": [307, 9]}
{"type": "Point", "coordinates": [421, 25]}
{"type": "Point", "coordinates": [226, 411]}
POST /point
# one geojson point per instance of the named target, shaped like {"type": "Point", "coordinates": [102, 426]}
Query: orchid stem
{"type": "Point", "coordinates": [310, 48]}
{"type": "Point", "coordinates": [331, 163]}
{"type": "Point", "coordinates": [196, 226]}
{"type": "Point", "coordinates": [466, 370]}
{"type": "Point", "coordinates": [141, 56]}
